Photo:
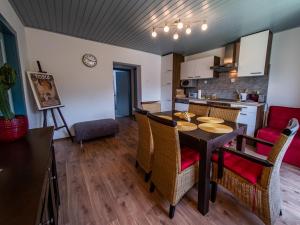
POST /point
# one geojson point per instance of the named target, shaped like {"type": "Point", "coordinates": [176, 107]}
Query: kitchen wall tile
{"type": "Point", "coordinates": [224, 88]}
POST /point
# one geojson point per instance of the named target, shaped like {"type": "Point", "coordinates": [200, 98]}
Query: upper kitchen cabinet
{"type": "Point", "coordinates": [254, 56]}
{"type": "Point", "coordinates": [199, 68]}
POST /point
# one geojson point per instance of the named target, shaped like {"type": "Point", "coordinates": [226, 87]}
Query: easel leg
{"type": "Point", "coordinates": [45, 118]}
{"type": "Point", "coordinates": [63, 119]}
{"type": "Point", "coordinates": [54, 119]}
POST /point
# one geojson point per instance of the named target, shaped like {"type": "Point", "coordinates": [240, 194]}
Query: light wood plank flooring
{"type": "Point", "coordinates": [102, 186]}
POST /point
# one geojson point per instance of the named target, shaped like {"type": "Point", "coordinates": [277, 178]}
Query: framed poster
{"type": "Point", "coordinates": [44, 90]}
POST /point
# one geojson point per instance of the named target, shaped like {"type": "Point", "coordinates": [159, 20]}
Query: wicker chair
{"type": "Point", "coordinates": [225, 113]}
{"type": "Point", "coordinates": [199, 109]}
{"type": "Point", "coordinates": [151, 107]}
{"type": "Point", "coordinates": [144, 155]}
{"type": "Point", "coordinates": [175, 170]}
{"type": "Point", "coordinates": [255, 182]}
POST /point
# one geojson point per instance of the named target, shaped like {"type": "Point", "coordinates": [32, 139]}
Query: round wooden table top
{"type": "Point", "coordinates": [208, 119]}
{"type": "Point", "coordinates": [186, 126]}
{"type": "Point", "coordinates": [215, 128]}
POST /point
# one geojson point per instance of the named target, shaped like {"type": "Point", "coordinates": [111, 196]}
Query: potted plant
{"type": "Point", "coordinates": [12, 127]}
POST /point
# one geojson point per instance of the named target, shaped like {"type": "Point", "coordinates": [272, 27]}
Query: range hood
{"type": "Point", "coordinates": [230, 58]}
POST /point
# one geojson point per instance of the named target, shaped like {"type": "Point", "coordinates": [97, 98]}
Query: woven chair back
{"type": "Point", "coordinates": [166, 147]}
{"type": "Point", "coordinates": [145, 141]}
{"type": "Point", "coordinates": [278, 151]}
{"type": "Point", "coordinates": [199, 109]}
{"type": "Point", "coordinates": [225, 113]}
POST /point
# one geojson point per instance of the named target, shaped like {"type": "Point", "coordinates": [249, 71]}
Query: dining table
{"type": "Point", "coordinates": [206, 143]}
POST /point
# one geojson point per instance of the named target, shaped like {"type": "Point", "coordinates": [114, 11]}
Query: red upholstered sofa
{"type": "Point", "coordinates": [277, 120]}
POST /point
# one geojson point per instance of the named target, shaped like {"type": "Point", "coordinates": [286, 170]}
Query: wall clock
{"type": "Point", "coordinates": [89, 60]}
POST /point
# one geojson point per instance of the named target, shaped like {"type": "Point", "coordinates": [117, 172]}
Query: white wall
{"type": "Point", "coordinates": [87, 93]}
{"type": "Point", "coordinates": [284, 78]}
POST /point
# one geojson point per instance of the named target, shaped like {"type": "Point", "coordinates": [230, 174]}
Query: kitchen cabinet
{"type": "Point", "coordinates": [254, 56]}
{"type": "Point", "coordinates": [167, 63]}
{"type": "Point", "coordinates": [166, 105]}
{"type": "Point", "coordinates": [186, 70]}
{"type": "Point", "coordinates": [183, 107]}
{"type": "Point", "coordinates": [199, 68]}
{"type": "Point", "coordinates": [250, 115]}
{"type": "Point", "coordinates": [170, 80]}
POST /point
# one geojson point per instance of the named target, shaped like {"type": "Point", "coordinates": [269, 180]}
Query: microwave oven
{"type": "Point", "coordinates": [188, 83]}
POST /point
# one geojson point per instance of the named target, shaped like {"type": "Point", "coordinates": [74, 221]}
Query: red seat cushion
{"type": "Point", "coordinates": [267, 134]}
{"type": "Point", "coordinates": [292, 155]}
{"type": "Point", "coordinates": [277, 120]}
{"type": "Point", "coordinates": [188, 157]}
{"type": "Point", "coordinates": [245, 168]}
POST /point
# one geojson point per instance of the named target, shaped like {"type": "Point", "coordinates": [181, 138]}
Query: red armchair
{"type": "Point", "coordinates": [277, 119]}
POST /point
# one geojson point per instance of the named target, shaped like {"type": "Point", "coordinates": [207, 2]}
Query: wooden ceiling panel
{"type": "Point", "coordinates": [129, 23]}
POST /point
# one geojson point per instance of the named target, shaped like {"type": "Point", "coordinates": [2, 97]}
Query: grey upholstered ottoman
{"type": "Point", "coordinates": [93, 129]}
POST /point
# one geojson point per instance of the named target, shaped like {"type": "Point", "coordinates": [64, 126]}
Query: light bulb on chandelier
{"type": "Point", "coordinates": [154, 34]}
{"type": "Point", "coordinates": [188, 30]}
{"type": "Point", "coordinates": [166, 28]}
{"type": "Point", "coordinates": [175, 36]}
{"type": "Point", "coordinates": [179, 25]}
{"type": "Point", "coordinates": [204, 25]}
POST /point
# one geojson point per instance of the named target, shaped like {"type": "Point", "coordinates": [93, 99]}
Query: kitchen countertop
{"type": "Point", "coordinates": [230, 101]}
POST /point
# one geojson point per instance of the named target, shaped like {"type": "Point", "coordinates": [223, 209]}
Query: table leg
{"type": "Point", "coordinates": [204, 180]}
{"type": "Point", "coordinates": [241, 142]}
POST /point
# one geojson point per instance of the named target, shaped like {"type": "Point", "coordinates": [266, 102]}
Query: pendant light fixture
{"type": "Point", "coordinates": [166, 28]}
{"type": "Point", "coordinates": [204, 25]}
{"type": "Point", "coordinates": [177, 26]}
{"type": "Point", "coordinates": [188, 30]}
{"type": "Point", "coordinates": [154, 34]}
{"type": "Point", "coordinates": [175, 36]}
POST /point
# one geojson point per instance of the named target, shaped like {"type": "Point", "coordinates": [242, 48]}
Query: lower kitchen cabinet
{"type": "Point", "coordinates": [28, 180]}
{"type": "Point", "coordinates": [252, 116]}
{"type": "Point", "coordinates": [183, 107]}
{"type": "Point", "coordinates": [166, 105]}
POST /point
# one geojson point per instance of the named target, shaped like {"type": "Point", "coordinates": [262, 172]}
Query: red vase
{"type": "Point", "coordinates": [11, 130]}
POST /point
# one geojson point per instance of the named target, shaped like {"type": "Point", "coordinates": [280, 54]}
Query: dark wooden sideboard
{"type": "Point", "coordinates": [29, 192]}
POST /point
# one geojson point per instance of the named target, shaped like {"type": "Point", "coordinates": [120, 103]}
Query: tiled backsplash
{"type": "Point", "coordinates": [224, 88]}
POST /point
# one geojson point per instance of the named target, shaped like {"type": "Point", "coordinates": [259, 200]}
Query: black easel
{"type": "Point", "coordinates": [45, 112]}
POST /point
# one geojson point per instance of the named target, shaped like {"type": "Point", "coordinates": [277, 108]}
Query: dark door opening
{"type": "Point", "coordinates": [9, 53]}
{"type": "Point", "coordinates": [127, 88]}
{"type": "Point", "coordinates": [122, 93]}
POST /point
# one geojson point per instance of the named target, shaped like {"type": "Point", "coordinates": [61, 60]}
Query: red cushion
{"type": "Point", "coordinates": [292, 155]}
{"type": "Point", "coordinates": [267, 134]}
{"type": "Point", "coordinates": [248, 170]}
{"type": "Point", "coordinates": [188, 157]}
{"type": "Point", "coordinates": [279, 116]}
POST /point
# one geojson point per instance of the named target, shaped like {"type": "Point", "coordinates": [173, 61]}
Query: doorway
{"type": "Point", "coordinates": [9, 54]}
{"type": "Point", "coordinates": [122, 93]}
{"type": "Point", "coordinates": [127, 93]}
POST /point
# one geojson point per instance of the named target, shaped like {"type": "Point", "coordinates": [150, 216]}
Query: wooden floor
{"type": "Point", "coordinates": [102, 186]}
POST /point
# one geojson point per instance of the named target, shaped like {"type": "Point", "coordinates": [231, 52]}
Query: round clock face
{"type": "Point", "coordinates": [89, 60]}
